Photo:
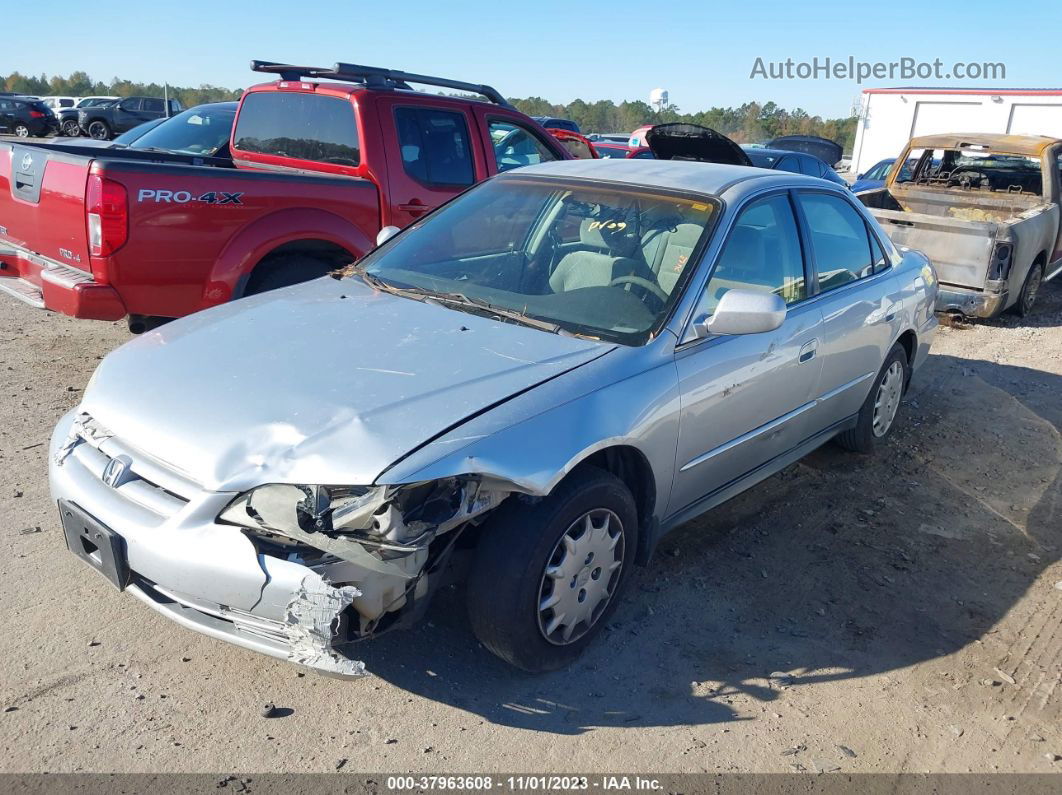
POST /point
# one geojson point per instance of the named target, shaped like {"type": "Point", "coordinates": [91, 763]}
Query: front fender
{"type": "Point", "coordinates": [252, 243]}
{"type": "Point", "coordinates": [534, 440]}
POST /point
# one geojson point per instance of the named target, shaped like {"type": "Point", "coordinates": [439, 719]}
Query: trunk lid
{"type": "Point", "coordinates": [42, 202]}
{"type": "Point", "coordinates": [829, 152]}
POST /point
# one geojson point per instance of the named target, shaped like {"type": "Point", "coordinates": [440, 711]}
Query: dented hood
{"type": "Point", "coordinates": [328, 382]}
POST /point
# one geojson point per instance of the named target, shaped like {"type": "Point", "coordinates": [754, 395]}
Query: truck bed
{"type": "Point", "coordinates": [957, 230]}
{"type": "Point", "coordinates": [184, 212]}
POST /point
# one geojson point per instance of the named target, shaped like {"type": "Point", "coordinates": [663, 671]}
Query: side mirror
{"type": "Point", "coordinates": [742, 312]}
{"type": "Point", "coordinates": [386, 234]}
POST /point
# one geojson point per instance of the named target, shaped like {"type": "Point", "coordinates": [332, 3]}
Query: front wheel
{"type": "Point", "coordinates": [99, 131]}
{"type": "Point", "coordinates": [22, 131]}
{"type": "Point", "coordinates": [71, 129]}
{"type": "Point", "coordinates": [878, 413]}
{"type": "Point", "coordinates": [547, 575]}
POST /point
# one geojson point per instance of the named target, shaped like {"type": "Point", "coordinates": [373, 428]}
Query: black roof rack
{"type": "Point", "coordinates": [374, 77]}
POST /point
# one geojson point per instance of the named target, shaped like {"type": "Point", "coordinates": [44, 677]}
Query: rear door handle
{"type": "Point", "coordinates": [808, 351]}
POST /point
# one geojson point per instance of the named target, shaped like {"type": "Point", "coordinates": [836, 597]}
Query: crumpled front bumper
{"type": "Point", "coordinates": [208, 576]}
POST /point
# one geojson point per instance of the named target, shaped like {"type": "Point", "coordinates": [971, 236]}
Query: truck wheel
{"type": "Point", "coordinates": [22, 131]}
{"type": "Point", "coordinates": [878, 413]}
{"type": "Point", "coordinates": [71, 129]}
{"type": "Point", "coordinates": [99, 130]}
{"type": "Point", "coordinates": [546, 576]}
{"type": "Point", "coordinates": [284, 272]}
{"type": "Point", "coordinates": [1033, 279]}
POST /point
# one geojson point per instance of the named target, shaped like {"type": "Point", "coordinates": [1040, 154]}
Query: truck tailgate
{"type": "Point", "coordinates": [960, 250]}
{"type": "Point", "coordinates": [42, 202]}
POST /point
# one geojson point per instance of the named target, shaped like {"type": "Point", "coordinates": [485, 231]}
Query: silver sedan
{"type": "Point", "coordinates": [526, 389]}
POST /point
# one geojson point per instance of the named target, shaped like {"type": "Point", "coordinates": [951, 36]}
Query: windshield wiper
{"type": "Point", "coordinates": [460, 299]}
{"type": "Point", "coordinates": [493, 310]}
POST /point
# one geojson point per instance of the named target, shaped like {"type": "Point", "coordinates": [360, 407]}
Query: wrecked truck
{"type": "Point", "coordinates": [984, 209]}
{"type": "Point", "coordinates": [524, 390]}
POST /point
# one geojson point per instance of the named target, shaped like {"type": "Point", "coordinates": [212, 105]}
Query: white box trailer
{"type": "Point", "coordinates": [890, 117]}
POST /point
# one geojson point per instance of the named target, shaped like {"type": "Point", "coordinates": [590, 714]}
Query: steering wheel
{"type": "Point", "coordinates": [508, 139]}
{"type": "Point", "coordinates": [651, 288]}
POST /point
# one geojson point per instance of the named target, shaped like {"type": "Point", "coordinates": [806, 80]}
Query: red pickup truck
{"type": "Point", "coordinates": [321, 161]}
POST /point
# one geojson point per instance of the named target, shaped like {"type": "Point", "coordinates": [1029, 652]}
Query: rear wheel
{"type": "Point", "coordinates": [546, 576]}
{"type": "Point", "coordinates": [286, 271]}
{"type": "Point", "coordinates": [71, 129]}
{"type": "Point", "coordinates": [878, 413]}
{"type": "Point", "coordinates": [1027, 298]}
{"type": "Point", "coordinates": [22, 131]}
{"type": "Point", "coordinates": [99, 130]}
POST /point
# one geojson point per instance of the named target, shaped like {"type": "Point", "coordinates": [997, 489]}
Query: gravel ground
{"type": "Point", "coordinates": [895, 613]}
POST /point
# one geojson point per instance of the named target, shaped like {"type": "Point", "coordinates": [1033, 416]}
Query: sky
{"type": "Point", "coordinates": [702, 52]}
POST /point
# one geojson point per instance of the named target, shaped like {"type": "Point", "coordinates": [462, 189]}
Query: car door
{"type": "Point", "coordinates": [430, 157]}
{"type": "Point", "coordinates": [858, 297]}
{"type": "Point", "coordinates": [6, 115]}
{"type": "Point", "coordinates": [126, 115]}
{"type": "Point", "coordinates": [509, 143]}
{"type": "Point", "coordinates": [151, 109]}
{"type": "Point", "coordinates": [744, 398]}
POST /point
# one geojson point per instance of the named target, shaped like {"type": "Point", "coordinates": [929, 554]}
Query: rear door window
{"type": "Point", "coordinates": [839, 240]}
{"type": "Point", "coordinates": [435, 146]}
{"type": "Point", "coordinates": [303, 126]}
{"type": "Point", "coordinates": [153, 105]}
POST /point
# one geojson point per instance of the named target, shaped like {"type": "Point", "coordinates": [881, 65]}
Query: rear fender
{"type": "Point", "coordinates": [253, 243]}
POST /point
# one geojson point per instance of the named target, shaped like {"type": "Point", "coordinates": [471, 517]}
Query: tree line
{"type": "Point", "coordinates": [748, 123]}
{"type": "Point", "coordinates": [79, 84]}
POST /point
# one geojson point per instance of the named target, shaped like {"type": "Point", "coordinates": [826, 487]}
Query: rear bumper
{"type": "Point", "coordinates": [47, 284]}
{"type": "Point", "coordinates": [972, 303]}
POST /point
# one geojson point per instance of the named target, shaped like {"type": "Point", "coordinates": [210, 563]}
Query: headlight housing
{"type": "Point", "coordinates": [381, 514]}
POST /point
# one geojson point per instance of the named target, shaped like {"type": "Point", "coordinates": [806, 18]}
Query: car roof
{"type": "Point", "coordinates": [1002, 143]}
{"type": "Point", "coordinates": [711, 179]}
{"type": "Point", "coordinates": [227, 105]}
{"type": "Point", "coordinates": [763, 150]}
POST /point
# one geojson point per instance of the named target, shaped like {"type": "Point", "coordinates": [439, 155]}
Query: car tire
{"type": "Point", "coordinates": [99, 130]}
{"type": "Point", "coordinates": [71, 129]}
{"type": "Point", "coordinates": [22, 131]}
{"type": "Point", "coordinates": [532, 553]}
{"type": "Point", "coordinates": [1029, 290]}
{"type": "Point", "coordinates": [877, 416]}
{"type": "Point", "coordinates": [284, 272]}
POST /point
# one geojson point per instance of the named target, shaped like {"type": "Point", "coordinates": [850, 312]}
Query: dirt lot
{"type": "Point", "coordinates": [913, 598]}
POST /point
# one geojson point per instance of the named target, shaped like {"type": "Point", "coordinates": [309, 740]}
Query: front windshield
{"type": "Point", "coordinates": [604, 262]}
{"type": "Point", "coordinates": [198, 131]}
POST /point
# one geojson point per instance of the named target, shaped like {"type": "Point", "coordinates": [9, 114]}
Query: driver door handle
{"type": "Point", "coordinates": [808, 351]}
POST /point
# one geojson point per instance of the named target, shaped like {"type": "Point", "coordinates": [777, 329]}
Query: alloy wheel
{"type": "Point", "coordinates": [98, 131]}
{"type": "Point", "coordinates": [887, 400]}
{"type": "Point", "coordinates": [581, 576]}
{"type": "Point", "coordinates": [22, 131]}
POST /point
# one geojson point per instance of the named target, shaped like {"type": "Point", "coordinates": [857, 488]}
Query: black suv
{"type": "Point", "coordinates": [25, 116]}
{"type": "Point", "coordinates": [103, 122]}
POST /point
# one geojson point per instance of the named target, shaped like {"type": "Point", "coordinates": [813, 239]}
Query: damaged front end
{"type": "Point", "coordinates": [376, 554]}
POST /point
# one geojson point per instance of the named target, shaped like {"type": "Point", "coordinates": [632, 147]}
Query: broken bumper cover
{"type": "Point", "coordinates": [205, 576]}
{"type": "Point", "coordinates": [972, 303]}
{"type": "Point", "coordinates": [46, 284]}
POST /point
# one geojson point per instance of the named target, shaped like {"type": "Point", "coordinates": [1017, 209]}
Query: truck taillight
{"type": "Point", "coordinates": [107, 204]}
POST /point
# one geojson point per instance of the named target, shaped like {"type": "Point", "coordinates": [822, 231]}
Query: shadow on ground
{"type": "Point", "coordinates": [842, 566]}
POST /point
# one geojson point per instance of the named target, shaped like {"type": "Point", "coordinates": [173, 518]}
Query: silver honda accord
{"type": "Point", "coordinates": [525, 390]}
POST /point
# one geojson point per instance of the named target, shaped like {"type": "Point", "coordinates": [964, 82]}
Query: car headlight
{"type": "Point", "coordinates": [285, 508]}
{"type": "Point", "coordinates": [398, 515]}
